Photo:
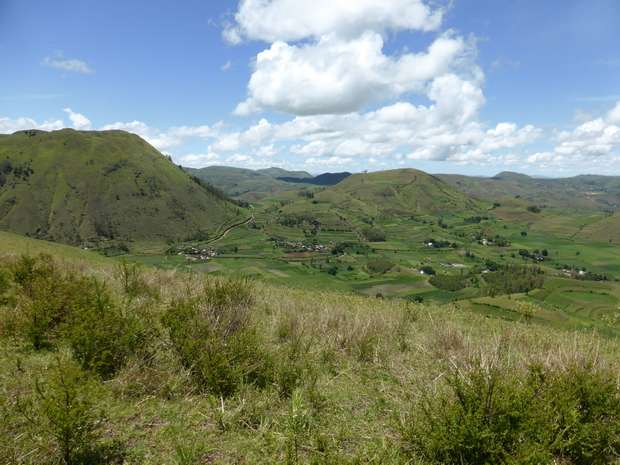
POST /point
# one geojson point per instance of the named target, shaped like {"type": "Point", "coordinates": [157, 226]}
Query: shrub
{"type": "Point", "coordinates": [50, 306]}
{"type": "Point", "coordinates": [65, 408]}
{"type": "Point", "coordinates": [489, 414]}
{"type": "Point", "coordinates": [374, 235]}
{"type": "Point", "coordinates": [429, 270]}
{"type": "Point", "coordinates": [215, 341]}
{"type": "Point", "coordinates": [449, 283]}
{"type": "Point", "coordinates": [379, 265]}
{"type": "Point", "coordinates": [101, 337]}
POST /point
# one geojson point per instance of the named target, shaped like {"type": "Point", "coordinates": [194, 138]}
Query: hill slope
{"type": "Point", "coordinates": [402, 192]}
{"type": "Point", "coordinates": [587, 193]}
{"type": "Point", "coordinates": [74, 186]}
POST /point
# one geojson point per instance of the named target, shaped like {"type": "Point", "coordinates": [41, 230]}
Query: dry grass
{"type": "Point", "coordinates": [357, 368]}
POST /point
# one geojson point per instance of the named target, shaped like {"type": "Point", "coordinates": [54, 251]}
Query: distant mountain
{"type": "Point", "coordinates": [584, 193]}
{"type": "Point", "coordinates": [256, 184]}
{"type": "Point", "coordinates": [75, 187]}
{"type": "Point", "coordinates": [512, 176]}
{"type": "Point", "coordinates": [281, 173]}
{"type": "Point", "coordinates": [325, 179]}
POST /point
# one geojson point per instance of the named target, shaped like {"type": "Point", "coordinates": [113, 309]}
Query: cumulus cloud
{"type": "Point", "coordinates": [590, 141]}
{"type": "Point", "coordinates": [613, 116]}
{"type": "Point", "coordinates": [340, 76]}
{"type": "Point", "coordinates": [173, 137]}
{"type": "Point", "coordinates": [80, 122]}
{"type": "Point", "coordinates": [448, 129]}
{"type": "Point", "coordinates": [73, 65]}
{"type": "Point", "coordinates": [292, 20]}
{"type": "Point", "coordinates": [200, 160]}
{"type": "Point", "coordinates": [326, 63]}
{"type": "Point", "coordinates": [9, 126]}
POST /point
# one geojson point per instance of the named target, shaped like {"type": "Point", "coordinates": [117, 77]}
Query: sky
{"type": "Point", "coordinates": [471, 87]}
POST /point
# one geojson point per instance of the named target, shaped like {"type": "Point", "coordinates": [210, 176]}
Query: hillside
{"type": "Point", "coordinates": [580, 193]}
{"type": "Point", "coordinates": [282, 173]}
{"type": "Point", "coordinates": [77, 187]}
{"type": "Point", "coordinates": [107, 363]}
{"type": "Point", "coordinates": [401, 192]}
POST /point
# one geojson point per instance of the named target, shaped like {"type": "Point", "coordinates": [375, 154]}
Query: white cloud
{"type": "Point", "coordinates": [340, 76]}
{"type": "Point", "coordinates": [501, 62]}
{"type": "Point", "coordinates": [340, 66]}
{"type": "Point", "coordinates": [74, 65]}
{"type": "Point", "coordinates": [447, 129]}
{"type": "Point", "coordinates": [173, 137]}
{"type": "Point", "coordinates": [227, 66]}
{"type": "Point", "coordinates": [329, 162]}
{"type": "Point", "coordinates": [590, 142]}
{"type": "Point", "coordinates": [200, 160]}
{"type": "Point", "coordinates": [581, 115]}
{"type": "Point", "coordinates": [9, 126]}
{"type": "Point", "coordinates": [613, 116]}
{"type": "Point", "coordinates": [292, 20]}
{"type": "Point", "coordinates": [80, 122]}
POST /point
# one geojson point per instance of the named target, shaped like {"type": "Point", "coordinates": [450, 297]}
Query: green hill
{"type": "Point", "coordinates": [568, 193]}
{"type": "Point", "coordinates": [118, 363]}
{"type": "Point", "coordinates": [281, 173]}
{"type": "Point", "coordinates": [77, 187]}
{"type": "Point", "coordinates": [403, 192]}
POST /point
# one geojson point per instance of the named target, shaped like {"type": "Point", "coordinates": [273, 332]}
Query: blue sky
{"type": "Point", "coordinates": [464, 86]}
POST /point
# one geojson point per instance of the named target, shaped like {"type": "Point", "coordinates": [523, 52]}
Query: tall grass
{"type": "Point", "coordinates": [194, 368]}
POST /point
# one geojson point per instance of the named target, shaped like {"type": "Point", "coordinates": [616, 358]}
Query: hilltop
{"type": "Point", "coordinates": [83, 187]}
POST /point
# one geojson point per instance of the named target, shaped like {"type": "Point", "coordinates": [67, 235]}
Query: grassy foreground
{"type": "Point", "coordinates": [118, 363]}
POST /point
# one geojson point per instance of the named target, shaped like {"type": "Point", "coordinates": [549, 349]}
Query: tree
{"type": "Point", "coordinates": [428, 270]}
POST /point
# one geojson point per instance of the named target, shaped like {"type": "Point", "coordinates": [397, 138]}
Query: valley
{"type": "Point", "coordinates": [322, 237]}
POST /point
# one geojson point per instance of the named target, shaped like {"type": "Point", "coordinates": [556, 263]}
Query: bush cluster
{"type": "Point", "coordinates": [490, 414]}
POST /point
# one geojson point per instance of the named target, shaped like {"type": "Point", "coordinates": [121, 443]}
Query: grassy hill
{"type": "Point", "coordinates": [404, 192]}
{"type": "Point", "coordinates": [281, 173]}
{"type": "Point", "coordinates": [78, 187]}
{"type": "Point", "coordinates": [580, 193]}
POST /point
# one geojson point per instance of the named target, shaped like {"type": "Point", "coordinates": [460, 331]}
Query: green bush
{"type": "Point", "coordinates": [65, 408]}
{"type": "Point", "coordinates": [449, 282]}
{"type": "Point", "coordinates": [379, 265]}
{"type": "Point", "coordinates": [47, 299]}
{"type": "Point", "coordinates": [215, 340]}
{"type": "Point", "coordinates": [491, 415]}
{"type": "Point", "coordinates": [374, 235]}
{"type": "Point", "coordinates": [100, 336]}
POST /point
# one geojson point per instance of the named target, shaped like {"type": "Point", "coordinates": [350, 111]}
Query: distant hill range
{"type": "Point", "coordinates": [78, 187]}
{"type": "Point", "coordinates": [249, 184]}
{"type": "Point", "coordinates": [584, 192]}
